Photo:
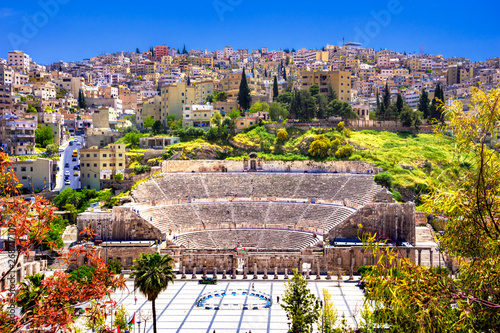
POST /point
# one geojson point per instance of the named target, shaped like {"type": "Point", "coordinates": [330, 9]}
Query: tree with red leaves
{"type": "Point", "coordinates": [55, 307]}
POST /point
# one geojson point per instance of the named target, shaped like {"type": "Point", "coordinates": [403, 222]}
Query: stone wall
{"type": "Point", "coordinates": [126, 255]}
{"type": "Point", "coordinates": [394, 221]}
{"type": "Point", "coordinates": [122, 224]}
{"type": "Point", "coordinates": [357, 167]}
{"type": "Point", "coordinates": [329, 260]}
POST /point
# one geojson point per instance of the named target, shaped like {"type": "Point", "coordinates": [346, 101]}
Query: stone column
{"type": "Point", "coordinates": [224, 275]}
{"type": "Point", "coordinates": [265, 274]}
{"type": "Point", "coordinates": [351, 261]}
{"type": "Point", "coordinates": [194, 273]}
{"type": "Point", "coordinates": [255, 271]}
{"type": "Point", "coordinates": [204, 273]}
{"type": "Point", "coordinates": [233, 276]}
{"type": "Point", "coordinates": [276, 273]}
{"type": "Point", "coordinates": [318, 272]}
{"type": "Point", "coordinates": [430, 253]}
{"type": "Point", "coordinates": [215, 272]}
{"type": "Point", "coordinates": [307, 273]}
{"type": "Point", "coordinates": [286, 273]}
{"type": "Point", "coordinates": [419, 256]}
{"type": "Point", "coordinates": [245, 272]}
{"type": "Point", "coordinates": [183, 272]}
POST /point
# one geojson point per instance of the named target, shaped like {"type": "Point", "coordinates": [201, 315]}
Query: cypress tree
{"type": "Point", "coordinates": [188, 81]}
{"type": "Point", "coordinates": [244, 98]}
{"type": "Point", "coordinates": [275, 88]}
{"type": "Point", "coordinates": [399, 104]}
{"type": "Point", "coordinates": [423, 103]}
{"type": "Point", "coordinates": [265, 72]}
{"type": "Point", "coordinates": [387, 96]}
{"type": "Point", "coordinates": [184, 51]}
{"type": "Point", "coordinates": [284, 73]}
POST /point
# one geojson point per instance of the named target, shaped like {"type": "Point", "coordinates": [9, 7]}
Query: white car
{"type": "Point", "coordinates": [67, 182]}
{"type": "Point", "coordinates": [66, 173]}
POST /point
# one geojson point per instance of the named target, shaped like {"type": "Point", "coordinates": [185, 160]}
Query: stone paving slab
{"type": "Point", "coordinates": [177, 311]}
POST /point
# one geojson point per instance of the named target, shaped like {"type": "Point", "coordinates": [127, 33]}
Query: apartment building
{"type": "Point", "coordinates": [17, 134]}
{"type": "Point", "coordinates": [104, 118]}
{"type": "Point", "coordinates": [339, 80]}
{"type": "Point", "coordinates": [44, 90]}
{"type": "Point", "coordinates": [35, 175]}
{"type": "Point", "coordinates": [6, 75]}
{"type": "Point", "coordinates": [6, 98]}
{"type": "Point", "coordinates": [104, 163]}
{"type": "Point", "coordinates": [72, 85]}
{"type": "Point", "coordinates": [161, 51]}
{"type": "Point", "coordinates": [19, 60]}
{"type": "Point", "coordinates": [174, 97]}
{"type": "Point", "coordinates": [151, 107]}
{"type": "Point", "coordinates": [198, 115]}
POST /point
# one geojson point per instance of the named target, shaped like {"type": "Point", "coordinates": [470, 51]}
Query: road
{"type": "Point", "coordinates": [67, 157]}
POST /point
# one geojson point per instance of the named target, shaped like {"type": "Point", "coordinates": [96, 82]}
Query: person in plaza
{"type": "Point", "coordinates": [135, 300]}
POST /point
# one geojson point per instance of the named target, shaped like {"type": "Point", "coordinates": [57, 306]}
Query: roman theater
{"type": "Point", "coordinates": [257, 217]}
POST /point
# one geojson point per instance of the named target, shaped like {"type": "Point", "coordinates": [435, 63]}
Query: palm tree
{"type": "Point", "coordinates": [152, 273]}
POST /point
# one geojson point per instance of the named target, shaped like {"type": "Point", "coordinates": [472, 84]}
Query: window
{"type": "Point", "coordinates": [95, 175]}
{"type": "Point", "coordinates": [120, 164]}
{"type": "Point", "coordinates": [95, 165]}
{"type": "Point", "coordinates": [88, 175]}
{"type": "Point", "coordinates": [104, 165]}
{"type": "Point", "coordinates": [119, 155]}
{"type": "Point", "coordinates": [23, 169]}
{"type": "Point", "coordinates": [24, 177]}
{"type": "Point", "coordinates": [104, 155]}
{"type": "Point", "coordinates": [15, 169]}
{"type": "Point", "coordinates": [95, 155]}
{"type": "Point", "coordinates": [88, 165]}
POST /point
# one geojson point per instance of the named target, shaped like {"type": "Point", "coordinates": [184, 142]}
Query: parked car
{"type": "Point", "coordinates": [66, 173]}
{"type": "Point", "coordinates": [66, 165]}
{"type": "Point", "coordinates": [207, 280]}
{"type": "Point", "coordinates": [76, 174]}
{"type": "Point", "coordinates": [67, 182]}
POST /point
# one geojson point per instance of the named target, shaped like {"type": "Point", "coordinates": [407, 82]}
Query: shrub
{"type": "Point", "coordinates": [320, 146]}
{"type": "Point", "coordinates": [282, 135]}
{"type": "Point", "coordinates": [118, 176]}
{"type": "Point", "coordinates": [384, 179]}
{"type": "Point", "coordinates": [397, 196]}
{"type": "Point", "coordinates": [341, 126]}
{"type": "Point", "coordinates": [366, 269]}
{"type": "Point", "coordinates": [344, 151]}
{"type": "Point", "coordinates": [440, 270]}
{"type": "Point", "coordinates": [114, 266]}
{"type": "Point", "coordinates": [141, 169]}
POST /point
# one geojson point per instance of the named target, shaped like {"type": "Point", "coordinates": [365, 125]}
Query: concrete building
{"type": "Point", "coordinates": [97, 164]}
{"type": "Point", "coordinates": [72, 85]}
{"type": "Point", "coordinates": [158, 142]}
{"type": "Point", "coordinates": [150, 108]}
{"type": "Point", "coordinates": [104, 118]}
{"type": "Point", "coordinates": [101, 137]}
{"type": "Point", "coordinates": [174, 97]}
{"type": "Point", "coordinates": [198, 115]}
{"type": "Point", "coordinates": [17, 135]}
{"type": "Point", "coordinates": [339, 80]}
{"type": "Point", "coordinates": [6, 75]}
{"type": "Point", "coordinates": [19, 60]}
{"type": "Point", "coordinates": [6, 98]}
{"type": "Point", "coordinates": [35, 175]}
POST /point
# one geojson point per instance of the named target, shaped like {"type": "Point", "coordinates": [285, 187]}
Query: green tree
{"type": "Point", "coordinates": [32, 109]}
{"type": "Point", "coordinates": [30, 290]}
{"type": "Point", "coordinates": [44, 136]}
{"type": "Point", "coordinates": [153, 273]}
{"type": "Point", "coordinates": [244, 98]}
{"type": "Point", "coordinates": [121, 318]}
{"type": "Point", "coordinates": [275, 88]}
{"type": "Point", "coordinates": [332, 95]}
{"type": "Point", "coordinates": [329, 314]}
{"type": "Point", "coordinates": [300, 305]}
{"type": "Point", "coordinates": [344, 151]}
{"type": "Point", "coordinates": [133, 139]}
{"type": "Point", "coordinates": [387, 97]}
{"type": "Point", "coordinates": [52, 149]}
{"type": "Point", "coordinates": [436, 108]}
{"type": "Point", "coordinates": [285, 98]}
{"type": "Point", "coordinates": [82, 103]}
{"type": "Point", "coordinates": [410, 118]}
{"type": "Point", "coordinates": [137, 50]}
{"type": "Point", "coordinates": [118, 176]}
{"type": "Point", "coordinates": [234, 114]}
{"type": "Point", "coordinates": [259, 107]}
{"type": "Point", "coordinates": [423, 104]}
{"type": "Point", "coordinates": [157, 127]}
{"type": "Point", "coordinates": [341, 109]}
{"type": "Point", "coordinates": [322, 105]}
{"type": "Point", "coordinates": [399, 105]}
{"type": "Point", "coordinates": [314, 90]}
{"type": "Point", "coordinates": [149, 122]}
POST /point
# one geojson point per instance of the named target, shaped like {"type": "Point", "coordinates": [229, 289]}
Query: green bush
{"type": "Point", "coordinates": [141, 169]}
{"type": "Point", "coordinates": [114, 266]}
{"type": "Point", "coordinates": [366, 269]}
{"type": "Point", "coordinates": [118, 176]}
{"type": "Point", "coordinates": [384, 179]}
{"type": "Point", "coordinates": [344, 151]}
{"type": "Point", "coordinates": [397, 196]}
{"type": "Point", "coordinates": [440, 270]}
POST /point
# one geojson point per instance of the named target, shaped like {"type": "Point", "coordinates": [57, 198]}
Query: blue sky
{"type": "Point", "coordinates": [70, 30]}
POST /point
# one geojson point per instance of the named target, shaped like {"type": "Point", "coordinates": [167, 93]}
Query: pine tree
{"type": "Point", "coordinates": [275, 88]}
{"type": "Point", "coordinates": [244, 98]}
{"type": "Point", "coordinates": [184, 51]}
{"type": "Point", "coordinates": [387, 96]}
{"type": "Point", "coordinates": [423, 104]}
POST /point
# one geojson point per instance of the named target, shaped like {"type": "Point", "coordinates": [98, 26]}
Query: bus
{"type": "Point", "coordinates": [75, 153]}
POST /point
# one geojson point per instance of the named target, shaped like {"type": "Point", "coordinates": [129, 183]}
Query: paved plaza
{"type": "Point", "coordinates": [177, 309]}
